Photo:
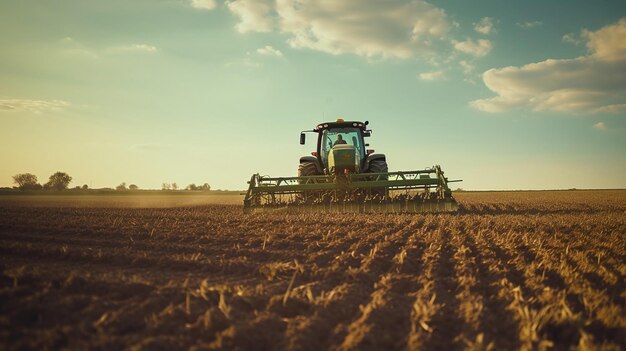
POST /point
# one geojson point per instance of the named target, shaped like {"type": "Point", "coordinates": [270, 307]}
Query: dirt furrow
{"type": "Point", "coordinates": [384, 322]}
{"type": "Point", "coordinates": [427, 327]}
{"type": "Point", "coordinates": [126, 257]}
{"type": "Point", "coordinates": [496, 322]}
{"type": "Point", "coordinates": [348, 288]}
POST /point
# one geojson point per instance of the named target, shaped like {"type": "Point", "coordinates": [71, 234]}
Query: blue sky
{"type": "Point", "coordinates": [516, 95]}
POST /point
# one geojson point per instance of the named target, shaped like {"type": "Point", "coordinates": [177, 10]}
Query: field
{"type": "Point", "coordinates": [511, 270]}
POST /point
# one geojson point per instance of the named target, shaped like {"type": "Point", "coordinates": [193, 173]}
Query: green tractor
{"type": "Point", "coordinates": [341, 150]}
{"type": "Point", "coordinates": [343, 175]}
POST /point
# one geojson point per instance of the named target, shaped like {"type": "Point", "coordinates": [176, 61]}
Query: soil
{"type": "Point", "coordinates": [510, 270]}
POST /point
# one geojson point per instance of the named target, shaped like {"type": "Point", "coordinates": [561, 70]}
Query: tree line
{"type": "Point", "coordinates": [192, 186]}
{"type": "Point", "coordinates": [61, 181]}
{"type": "Point", "coordinates": [28, 181]}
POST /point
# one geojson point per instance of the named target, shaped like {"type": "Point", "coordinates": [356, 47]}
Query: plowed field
{"type": "Point", "coordinates": [520, 270]}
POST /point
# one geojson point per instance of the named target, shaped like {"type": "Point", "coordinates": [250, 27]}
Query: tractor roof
{"type": "Point", "coordinates": [340, 123]}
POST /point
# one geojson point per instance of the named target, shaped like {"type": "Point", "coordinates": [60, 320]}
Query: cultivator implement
{"type": "Point", "coordinates": [390, 192]}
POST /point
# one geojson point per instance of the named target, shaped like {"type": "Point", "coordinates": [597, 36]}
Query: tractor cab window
{"type": "Point", "coordinates": [332, 137]}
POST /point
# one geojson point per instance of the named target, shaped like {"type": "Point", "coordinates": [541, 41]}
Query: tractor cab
{"type": "Point", "coordinates": [341, 147]}
{"type": "Point", "coordinates": [341, 142]}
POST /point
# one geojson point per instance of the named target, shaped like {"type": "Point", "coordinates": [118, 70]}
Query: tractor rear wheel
{"type": "Point", "coordinates": [378, 166]}
{"type": "Point", "coordinates": [307, 169]}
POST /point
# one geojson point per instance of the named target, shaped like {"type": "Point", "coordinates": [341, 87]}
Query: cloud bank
{"type": "Point", "coordinates": [391, 28]}
{"type": "Point", "coordinates": [592, 83]}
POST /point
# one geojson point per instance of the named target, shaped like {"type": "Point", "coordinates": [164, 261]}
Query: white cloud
{"type": "Point", "coordinates": [591, 83]}
{"type": "Point", "coordinates": [475, 48]}
{"type": "Point", "coordinates": [608, 43]}
{"type": "Point", "coordinates": [203, 4]}
{"type": "Point", "coordinates": [430, 76]}
{"type": "Point", "coordinates": [74, 48]}
{"type": "Point", "coordinates": [269, 51]}
{"type": "Point", "coordinates": [392, 28]}
{"type": "Point", "coordinates": [529, 24]}
{"type": "Point", "coordinates": [468, 68]}
{"type": "Point", "coordinates": [613, 109]}
{"type": "Point", "coordinates": [369, 28]}
{"type": "Point", "coordinates": [600, 126]}
{"type": "Point", "coordinates": [572, 38]}
{"type": "Point", "coordinates": [36, 106]}
{"type": "Point", "coordinates": [134, 48]}
{"type": "Point", "coordinates": [254, 15]}
{"type": "Point", "coordinates": [247, 62]}
{"type": "Point", "coordinates": [484, 26]}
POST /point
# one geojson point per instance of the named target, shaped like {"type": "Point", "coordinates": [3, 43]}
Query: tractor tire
{"type": "Point", "coordinates": [378, 166]}
{"type": "Point", "coordinates": [307, 169]}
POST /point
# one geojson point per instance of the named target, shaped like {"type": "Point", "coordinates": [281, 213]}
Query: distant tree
{"type": "Point", "coordinates": [204, 187]}
{"type": "Point", "coordinates": [26, 181]}
{"type": "Point", "coordinates": [191, 186]}
{"type": "Point", "coordinates": [121, 187]}
{"type": "Point", "coordinates": [58, 181]}
{"type": "Point", "coordinates": [133, 187]}
{"type": "Point", "coordinates": [174, 186]}
{"type": "Point", "coordinates": [166, 186]}
{"type": "Point", "coordinates": [85, 187]}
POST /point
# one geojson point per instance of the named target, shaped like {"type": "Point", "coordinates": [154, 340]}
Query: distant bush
{"type": "Point", "coordinates": [203, 187]}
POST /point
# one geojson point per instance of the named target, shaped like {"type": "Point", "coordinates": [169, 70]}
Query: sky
{"type": "Point", "coordinates": [504, 95]}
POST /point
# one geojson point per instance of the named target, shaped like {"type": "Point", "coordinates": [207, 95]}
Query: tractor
{"type": "Point", "coordinates": [344, 176]}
